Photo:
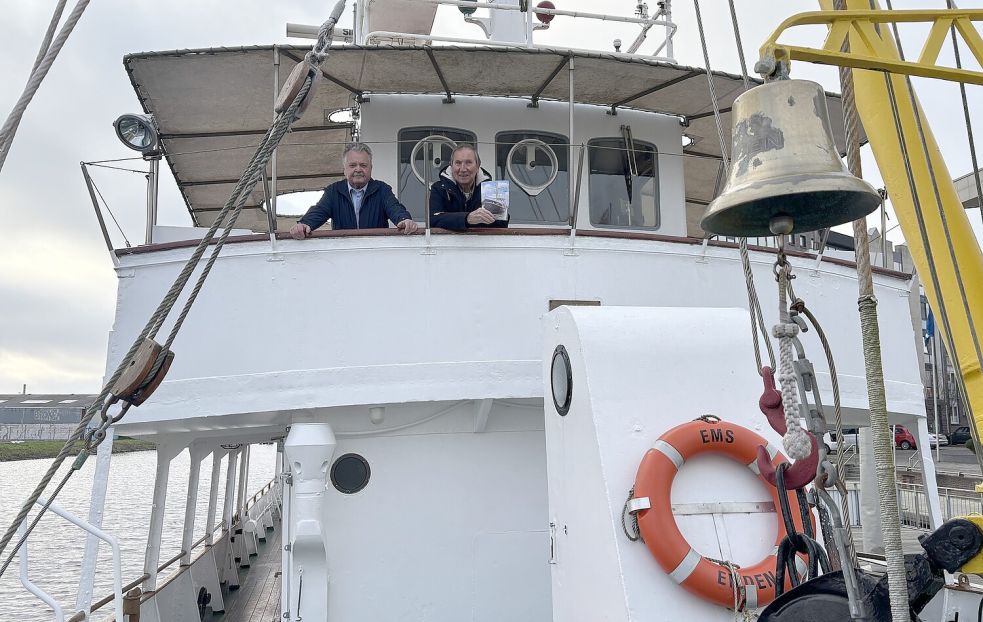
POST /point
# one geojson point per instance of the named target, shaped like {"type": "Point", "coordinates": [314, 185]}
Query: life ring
{"type": "Point", "coordinates": [704, 577]}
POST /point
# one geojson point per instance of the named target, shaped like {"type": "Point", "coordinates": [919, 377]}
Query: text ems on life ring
{"type": "Point", "coordinates": [657, 525]}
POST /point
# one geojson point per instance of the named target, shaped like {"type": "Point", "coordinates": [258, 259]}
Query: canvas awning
{"type": "Point", "coordinates": [214, 105]}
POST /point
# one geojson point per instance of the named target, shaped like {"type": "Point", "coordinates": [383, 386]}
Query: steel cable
{"type": "Point", "coordinates": [969, 123]}
{"type": "Point", "coordinates": [234, 205]}
{"type": "Point", "coordinates": [758, 329]}
{"type": "Point", "coordinates": [38, 74]}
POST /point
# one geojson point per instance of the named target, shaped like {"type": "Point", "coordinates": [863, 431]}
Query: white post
{"type": "Point", "coordinates": [165, 453]}
{"type": "Point", "coordinates": [229, 572]}
{"type": "Point", "coordinates": [213, 492]}
{"type": "Point", "coordinates": [230, 478]}
{"type": "Point", "coordinates": [309, 448]}
{"type": "Point", "coordinates": [935, 395]}
{"type": "Point", "coordinates": [928, 473]}
{"type": "Point", "coordinates": [197, 453]}
{"type": "Point", "coordinates": [283, 471]}
{"type": "Point", "coordinates": [97, 505]}
{"type": "Point", "coordinates": [243, 482]}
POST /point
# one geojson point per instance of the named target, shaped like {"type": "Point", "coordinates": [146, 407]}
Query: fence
{"type": "Point", "coordinates": [913, 504]}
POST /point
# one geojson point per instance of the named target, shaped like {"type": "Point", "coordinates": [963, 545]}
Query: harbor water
{"type": "Point", "coordinates": [55, 548]}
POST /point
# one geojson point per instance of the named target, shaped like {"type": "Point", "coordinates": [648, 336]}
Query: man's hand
{"type": "Point", "coordinates": [480, 216]}
{"type": "Point", "coordinates": [300, 231]}
{"type": "Point", "coordinates": [407, 225]}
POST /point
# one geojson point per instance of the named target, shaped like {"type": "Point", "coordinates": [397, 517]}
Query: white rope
{"type": "Point", "coordinates": [37, 75]}
{"type": "Point", "coordinates": [796, 441]}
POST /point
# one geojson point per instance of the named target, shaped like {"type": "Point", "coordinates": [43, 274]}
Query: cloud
{"type": "Point", "coordinates": [47, 372]}
{"type": "Point", "coordinates": [57, 286]}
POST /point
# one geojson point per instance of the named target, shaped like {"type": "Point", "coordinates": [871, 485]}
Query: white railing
{"type": "Point", "coordinates": [913, 504]}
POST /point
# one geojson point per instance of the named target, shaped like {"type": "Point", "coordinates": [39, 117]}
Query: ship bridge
{"type": "Point", "coordinates": [353, 320]}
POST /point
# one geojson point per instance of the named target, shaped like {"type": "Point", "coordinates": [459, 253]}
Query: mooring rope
{"type": "Point", "coordinates": [877, 402]}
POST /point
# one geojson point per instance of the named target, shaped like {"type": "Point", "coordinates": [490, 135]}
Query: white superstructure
{"type": "Point", "coordinates": [423, 355]}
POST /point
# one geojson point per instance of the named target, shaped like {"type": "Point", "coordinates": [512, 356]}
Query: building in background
{"type": "Point", "coordinates": [26, 417]}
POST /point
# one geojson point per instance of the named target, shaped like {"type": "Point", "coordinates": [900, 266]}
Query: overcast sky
{"type": "Point", "coordinates": [57, 285]}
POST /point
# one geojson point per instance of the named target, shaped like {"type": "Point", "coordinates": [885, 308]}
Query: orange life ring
{"type": "Point", "coordinates": [706, 578]}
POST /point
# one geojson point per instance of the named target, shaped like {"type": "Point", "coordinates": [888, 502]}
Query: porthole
{"type": "Point", "coordinates": [561, 380]}
{"type": "Point", "coordinates": [350, 473]}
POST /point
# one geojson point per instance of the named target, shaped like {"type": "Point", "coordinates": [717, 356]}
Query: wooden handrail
{"type": "Point", "coordinates": [514, 231]}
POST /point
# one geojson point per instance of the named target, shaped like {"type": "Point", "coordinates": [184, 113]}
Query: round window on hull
{"type": "Point", "coordinates": [350, 473]}
{"type": "Point", "coordinates": [561, 380]}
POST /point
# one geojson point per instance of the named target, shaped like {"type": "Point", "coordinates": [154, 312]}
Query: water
{"type": "Point", "coordinates": [55, 547]}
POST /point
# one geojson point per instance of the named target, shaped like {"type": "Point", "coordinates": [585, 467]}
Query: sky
{"type": "Point", "coordinates": [57, 284]}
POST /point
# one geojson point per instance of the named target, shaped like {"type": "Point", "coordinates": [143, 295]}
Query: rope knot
{"type": "Point", "coordinates": [785, 330]}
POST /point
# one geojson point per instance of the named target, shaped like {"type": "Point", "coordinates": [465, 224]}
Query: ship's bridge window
{"type": "Point", "coordinates": [531, 200]}
{"type": "Point", "coordinates": [411, 191]}
{"type": "Point", "coordinates": [624, 184]}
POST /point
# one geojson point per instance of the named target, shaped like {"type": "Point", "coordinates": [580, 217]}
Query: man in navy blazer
{"type": "Point", "coordinates": [357, 202]}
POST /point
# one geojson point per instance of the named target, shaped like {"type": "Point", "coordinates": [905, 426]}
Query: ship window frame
{"type": "Point", "coordinates": [346, 459]}
{"type": "Point", "coordinates": [419, 213]}
{"type": "Point", "coordinates": [563, 164]}
{"type": "Point", "coordinates": [657, 194]}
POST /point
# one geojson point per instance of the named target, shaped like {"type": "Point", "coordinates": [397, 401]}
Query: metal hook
{"type": "Point", "coordinates": [802, 471]}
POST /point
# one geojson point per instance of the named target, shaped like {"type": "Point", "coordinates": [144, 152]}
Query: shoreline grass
{"type": "Point", "coordinates": [33, 450]}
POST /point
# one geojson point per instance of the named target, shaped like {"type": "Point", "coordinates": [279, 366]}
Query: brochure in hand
{"type": "Point", "coordinates": [495, 198]}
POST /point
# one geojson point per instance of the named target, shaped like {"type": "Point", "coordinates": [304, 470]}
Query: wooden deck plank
{"type": "Point", "coordinates": [258, 597]}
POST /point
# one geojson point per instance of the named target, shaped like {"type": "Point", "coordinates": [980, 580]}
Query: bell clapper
{"type": "Point", "coordinates": [781, 224]}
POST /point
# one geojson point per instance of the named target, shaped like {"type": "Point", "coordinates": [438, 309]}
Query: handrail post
{"type": "Point", "coordinates": [573, 184]}
{"type": "Point", "coordinates": [153, 178]}
{"type": "Point", "coordinates": [97, 506]}
{"type": "Point", "coordinates": [273, 156]}
{"type": "Point", "coordinates": [428, 158]}
{"type": "Point", "coordinates": [102, 221]}
{"type": "Point", "coordinates": [165, 453]}
{"type": "Point", "coordinates": [197, 453]}
{"type": "Point", "coordinates": [575, 208]}
{"type": "Point", "coordinates": [213, 492]}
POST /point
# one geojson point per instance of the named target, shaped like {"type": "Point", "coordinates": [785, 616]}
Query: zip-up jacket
{"type": "Point", "coordinates": [378, 205]}
{"type": "Point", "coordinates": [449, 208]}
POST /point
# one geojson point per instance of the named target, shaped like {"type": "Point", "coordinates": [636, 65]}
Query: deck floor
{"type": "Point", "coordinates": [258, 596]}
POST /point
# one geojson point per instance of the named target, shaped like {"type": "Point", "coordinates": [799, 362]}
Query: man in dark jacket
{"type": "Point", "coordinates": [455, 199]}
{"type": "Point", "coordinates": [357, 202]}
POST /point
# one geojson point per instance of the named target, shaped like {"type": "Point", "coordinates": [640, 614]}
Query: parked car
{"type": "Point", "coordinates": [960, 435]}
{"type": "Point", "coordinates": [937, 439]}
{"type": "Point", "coordinates": [850, 439]}
{"type": "Point", "coordinates": [903, 439]}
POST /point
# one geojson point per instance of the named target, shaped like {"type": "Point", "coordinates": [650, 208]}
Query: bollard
{"type": "Point", "coordinates": [131, 605]}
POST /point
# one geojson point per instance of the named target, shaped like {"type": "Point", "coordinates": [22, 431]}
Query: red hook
{"type": "Point", "coordinates": [802, 471]}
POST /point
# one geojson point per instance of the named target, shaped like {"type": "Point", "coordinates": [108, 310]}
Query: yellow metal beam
{"type": "Point", "coordinates": [935, 225]}
{"type": "Point", "coordinates": [863, 26]}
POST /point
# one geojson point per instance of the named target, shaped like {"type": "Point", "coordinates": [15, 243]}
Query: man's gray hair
{"type": "Point", "coordinates": [361, 147]}
{"type": "Point", "coordinates": [473, 149]}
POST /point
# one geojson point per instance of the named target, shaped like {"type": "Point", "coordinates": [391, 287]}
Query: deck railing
{"type": "Point", "coordinates": [914, 507]}
{"type": "Point", "coordinates": [140, 597]}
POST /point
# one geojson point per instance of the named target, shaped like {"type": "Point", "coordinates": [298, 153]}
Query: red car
{"type": "Point", "coordinates": [903, 438]}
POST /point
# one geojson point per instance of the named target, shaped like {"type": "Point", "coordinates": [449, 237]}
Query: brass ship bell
{"type": "Point", "coordinates": [785, 175]}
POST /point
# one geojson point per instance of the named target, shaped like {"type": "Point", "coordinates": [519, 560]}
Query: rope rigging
{"type": "Point", "coordinates": [229, 214]}
{"type": "Point", "coordinates": [877, 400]}
{"type": "Point", "coordinates": [50, 47]}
